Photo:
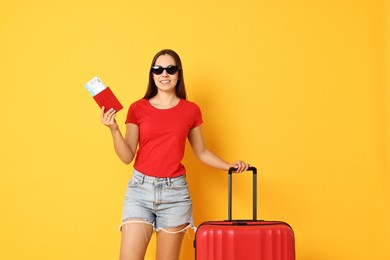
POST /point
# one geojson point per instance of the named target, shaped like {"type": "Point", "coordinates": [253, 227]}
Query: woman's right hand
{"type": "Point", "coordinates": [108, 118]}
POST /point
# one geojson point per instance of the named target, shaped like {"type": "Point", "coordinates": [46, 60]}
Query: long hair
{"type": "Point", "coordinates": [151, 90]}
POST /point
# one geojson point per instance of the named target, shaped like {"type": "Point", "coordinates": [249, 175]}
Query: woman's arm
{"type": "Point", "coordinates": [126, 147]}
{"type": "Point", "coordinates": [206, 156]}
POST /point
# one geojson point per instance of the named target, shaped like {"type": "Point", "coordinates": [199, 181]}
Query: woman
{"type": "Point", "coordinates": [157, 197]}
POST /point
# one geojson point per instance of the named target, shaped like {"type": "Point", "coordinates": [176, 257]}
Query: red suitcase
{"type": "Point", "coordinates": [244, 239]}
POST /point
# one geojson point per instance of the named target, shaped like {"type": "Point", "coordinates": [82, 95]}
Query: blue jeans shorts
{"type": "Point", "coordinates": [162, 202]}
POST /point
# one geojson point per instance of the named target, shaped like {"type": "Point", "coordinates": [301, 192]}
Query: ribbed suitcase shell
{"type": "Point", "coordinates": [244, 240]}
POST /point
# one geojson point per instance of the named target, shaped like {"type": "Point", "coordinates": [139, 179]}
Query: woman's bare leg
{"type": "Point", "coordinates": [135, 240]}
{"type": "Point", "coordinates": [169, 243]}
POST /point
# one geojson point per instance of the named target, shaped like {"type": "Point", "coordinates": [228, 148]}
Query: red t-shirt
{"type": "Point", "coordinates": [162, 136]}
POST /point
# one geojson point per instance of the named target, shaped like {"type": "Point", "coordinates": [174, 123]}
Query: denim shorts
{"type": "Point", "coordinates": [162, 202]}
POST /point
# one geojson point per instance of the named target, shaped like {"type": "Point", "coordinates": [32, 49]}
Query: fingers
{"type": "Point", "coordinates": [108, 118]}
{"type": "Point", "coordinates": [102, 113]}
{"type": "Point", "coordinates": [240, 166]}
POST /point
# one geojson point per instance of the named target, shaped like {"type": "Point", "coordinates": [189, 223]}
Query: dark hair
{"type": "Point", "coordinates": [151, 90]}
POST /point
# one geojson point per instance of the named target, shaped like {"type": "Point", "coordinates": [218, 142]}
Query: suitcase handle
{"type": "Point", "coordinates": [231, 170]}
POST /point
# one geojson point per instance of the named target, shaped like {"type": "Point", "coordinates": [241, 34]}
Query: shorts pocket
{"type": "Point", "coordinates": [134, 182]}
{"type": "Point", "coordinates": [179, 184]}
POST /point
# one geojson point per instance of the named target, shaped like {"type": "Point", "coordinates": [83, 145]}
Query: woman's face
{"type": "Point", "coordinates": [165, 81]}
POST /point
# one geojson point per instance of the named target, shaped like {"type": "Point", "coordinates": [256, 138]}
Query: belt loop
{"type": "Point", "coordinates": [142, 179]}
{"type": "Point", "coordinates": [168, 182]}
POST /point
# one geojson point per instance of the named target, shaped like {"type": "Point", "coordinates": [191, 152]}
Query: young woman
{"type": "Point", "coordinates": [157, 197]}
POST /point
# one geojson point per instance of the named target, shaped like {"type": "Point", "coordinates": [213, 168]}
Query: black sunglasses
{"type": "Point", "coordinates": [159, 70]}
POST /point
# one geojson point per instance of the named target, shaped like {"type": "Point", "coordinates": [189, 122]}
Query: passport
{"type": "Point", "coordinates": [102, 94]}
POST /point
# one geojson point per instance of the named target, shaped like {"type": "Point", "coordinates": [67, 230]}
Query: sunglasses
{"type": "Point", "coordinates": [159, 70]}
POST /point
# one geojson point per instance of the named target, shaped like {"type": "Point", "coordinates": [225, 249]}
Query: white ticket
{"type": "Point", "coordinates": [95, 86]}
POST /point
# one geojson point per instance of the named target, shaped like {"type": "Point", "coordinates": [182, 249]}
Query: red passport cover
{"type": "Point", "coordinates": [107, 99]}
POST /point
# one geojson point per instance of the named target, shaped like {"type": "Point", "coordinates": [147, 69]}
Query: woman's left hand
{"type": "Point", "coordinates": [240, 166]}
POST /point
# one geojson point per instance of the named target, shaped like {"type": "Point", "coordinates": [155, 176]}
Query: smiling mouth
{"type": "Point", "coordinates": [165, 81]}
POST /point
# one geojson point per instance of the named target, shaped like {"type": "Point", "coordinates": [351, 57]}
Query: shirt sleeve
{"type": "Point", "coordinates": [197, 117]}
{"type": "Point", "coordinates": [132, 115]}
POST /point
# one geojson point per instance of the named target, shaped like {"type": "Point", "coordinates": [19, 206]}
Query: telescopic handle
{"type": "Point", "coordinates": [231, 170]}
